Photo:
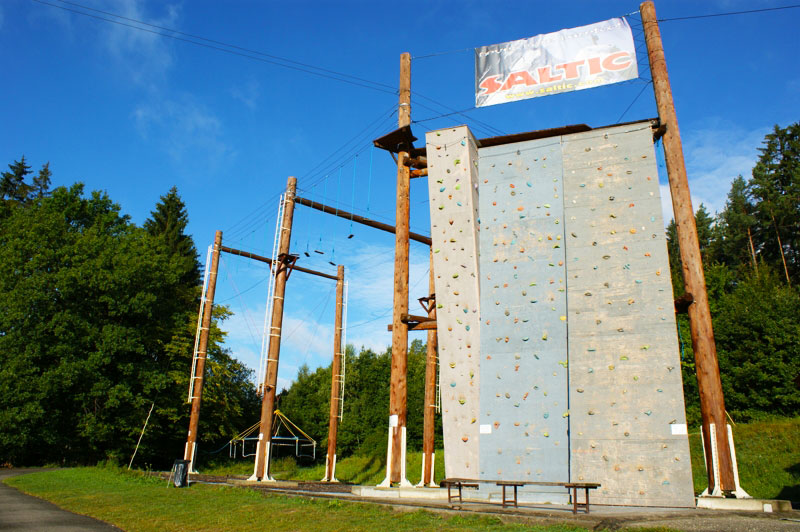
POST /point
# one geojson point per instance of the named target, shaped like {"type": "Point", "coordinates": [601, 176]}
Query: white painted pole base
{"type": "Point", "coordinates": [432, 483]}
{"type": "Point", "coordinates": [330, 476]}
{"type": "Point", "coordinates": [404, 483]}
{"type": "Point", "coordinates": [387, 482]}
{"type": "Point", "coordinates": [738, 492]}
{"type": "Point", "coordinates": [266, 478]}
{"type": "Point", "coordinates": [191, 456]}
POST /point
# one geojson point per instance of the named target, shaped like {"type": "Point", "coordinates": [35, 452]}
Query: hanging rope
{"type": "Point", "coordinates": [353, 197]}
{"type": "Point", "coordinates": [369, 180]}
{"type": "Point", "coordinates": [324, 196]}
{"type": "Point", "coordinates": [332, 262]}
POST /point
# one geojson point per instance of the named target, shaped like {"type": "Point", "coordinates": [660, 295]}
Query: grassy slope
{"type": "Point", "coordinates": [353, 469]}
{"type": "Point", "coordinates": [768, 455]}
{"type": "Point", "coordinates": [135, 502]}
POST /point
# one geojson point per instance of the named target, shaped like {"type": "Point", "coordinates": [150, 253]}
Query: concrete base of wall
{"type": "Point", "coordinates": [748, 505]}
{"type": "Point", "coordinates": [400, 493]}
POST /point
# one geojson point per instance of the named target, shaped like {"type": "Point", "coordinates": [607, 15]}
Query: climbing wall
{"type": "Point", "coordinates": [452, 181]}
{"type": "Point", "coordinates": [570, 370]}
{"type": "Point", "coordinates": [523, 316]}
{"type": "Point", "coordinates": [627, 418]}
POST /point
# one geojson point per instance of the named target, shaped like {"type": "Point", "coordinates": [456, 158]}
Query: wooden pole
{"type": "Point", "coordinates": [360, 219]}
{"type": "Point", "coordinates": [429, 412]}
{"type": "Point", "coordinates": [259, 258]}
{"type": "Point", "coordinates": [712, 401]}
{"type": "Point", "coordinates": [261, 470]}
{"type": "Point", "coordinates": [336, 381]}
{"type": "Point", "coordinates": [202, 349]}
{"type": "Point", "coordinates": [398, 392]}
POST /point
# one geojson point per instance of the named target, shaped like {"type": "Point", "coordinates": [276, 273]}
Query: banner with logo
{"type": "Point", "coordinates": [567, 60]}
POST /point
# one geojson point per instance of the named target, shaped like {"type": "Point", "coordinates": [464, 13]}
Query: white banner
{"type": "Point", "coordinates": [567, 60]}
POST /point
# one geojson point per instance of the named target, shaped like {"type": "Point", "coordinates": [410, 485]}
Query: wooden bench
{"type": "Point", "coordinates": [575, 486]}
{"type": "Point", "coordinates": [516, 484]}
{"type": "Point", "coordinates": [459, 483]}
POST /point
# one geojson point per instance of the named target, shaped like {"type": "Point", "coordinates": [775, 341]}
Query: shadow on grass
{"type": "Point", "coordinates": [792, 493]}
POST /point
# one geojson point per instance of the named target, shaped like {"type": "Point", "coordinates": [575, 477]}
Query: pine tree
{"type": "Point", "coordinates": [705, 231]}
{"type": "Point", "coordinates": [735, 226]}
{"type": "Point", "coordinates": [168, 221]}
{"type": "Point", "coordinates": [12, 184]}
{"type": "Point", "coordinates": [41, 183]}
{"type": "Point", "coordinates": [775, 189]}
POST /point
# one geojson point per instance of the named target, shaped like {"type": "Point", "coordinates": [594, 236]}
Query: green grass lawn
{"type": "Point", "coordinates": [136, 502]}
{"type": "Point", "coordinates": [768, 454]}
{"type": "Point", "coordinates": [353, 469]}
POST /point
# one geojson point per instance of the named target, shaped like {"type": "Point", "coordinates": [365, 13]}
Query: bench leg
{"type": "Point", "coordinates": [587, 500]}
{"type": "Point", "coordinates": [515, 497]}
{"type": "Point", "coordinates": [574, 500]}
{"type": "Point", "coordinates": [504, 496]}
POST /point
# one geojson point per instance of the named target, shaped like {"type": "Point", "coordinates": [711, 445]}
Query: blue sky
{"type": "Point", "coordinates": [134, 113]}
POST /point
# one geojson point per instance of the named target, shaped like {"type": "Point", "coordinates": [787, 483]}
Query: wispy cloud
{"type": "Point", "coordinates": [185, 129]}
{"type": "Point", "coordinates": [143, 55]}
{"type": "Point", "coordinates": [714, 156]}
{"type": "Point", "coordinates": [247, 93]}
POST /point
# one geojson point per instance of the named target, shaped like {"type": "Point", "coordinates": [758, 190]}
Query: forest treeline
{"type": "Point", "coordinates": [97, 326]}
{"type": "Point", "coordinates": [98, 321]}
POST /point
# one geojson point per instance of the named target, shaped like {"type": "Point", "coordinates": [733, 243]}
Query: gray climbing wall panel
{"type": "Point", "coordinates": [523, 316]}
{"type": "Point", "coordinates": [557, 337]}
{"type": "Point", "coordinates": [627, 416]}
{"type": "Point", "coordinates": [452, 183]}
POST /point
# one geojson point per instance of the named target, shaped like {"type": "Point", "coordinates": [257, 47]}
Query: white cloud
{"type": "Point", "coordinates": [188, 131]}
{"type": "Point", "coordinates": [247, 93]}
{"type": "Point", "coordinates": [714, 157]}
{"type": "Point", "coordinates": [144, 55]}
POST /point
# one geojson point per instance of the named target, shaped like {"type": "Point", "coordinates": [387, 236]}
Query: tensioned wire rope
{"type": "Point", "coordinates": [254, 218]}
{"type": "Point", "coordinates": [225, 47]}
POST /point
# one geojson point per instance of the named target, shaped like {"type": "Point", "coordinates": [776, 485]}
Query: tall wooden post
{"type": "Point", "coordinates": [202, 349]}
{"type": "Point", "coordinates": [712, 402]}
{"type": "Point", "coordinates": [398, 393]}
{"type": "Point", "coordinates": [336, 380]}
{"type": "Point", "coordinates": [261, 470]}
{"type": "Point", "coordinates": [429, 412]}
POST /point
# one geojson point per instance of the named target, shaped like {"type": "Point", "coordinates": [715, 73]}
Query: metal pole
{"type": "Point", "coordinates": [336, 377]}
{"type": "Point", "coordinates": [429, 423]}
{"type": "Point", "coordinates": [202, 349]}
{"type": "Point", "coordinates": [261, 470]}
{"type": "Point", "coordinates": [712, 401]}
{"type": "Point", "coordinates": [398, 393]}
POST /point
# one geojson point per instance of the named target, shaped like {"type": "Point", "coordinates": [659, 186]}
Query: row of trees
{"type": "Point", "coordinates": [366, 405]}
{"type": "Point", "coordinates": [99, 315]}
{"type": "Point", "coordinates": [98, 325]}
{"type": "Point", "coordinates": [751, 258]}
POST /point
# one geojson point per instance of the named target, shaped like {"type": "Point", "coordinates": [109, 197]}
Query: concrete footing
{"type": "Point", "coordinates": [400, 493]}
{"type": "Point", "coordinates": [747, 505]}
